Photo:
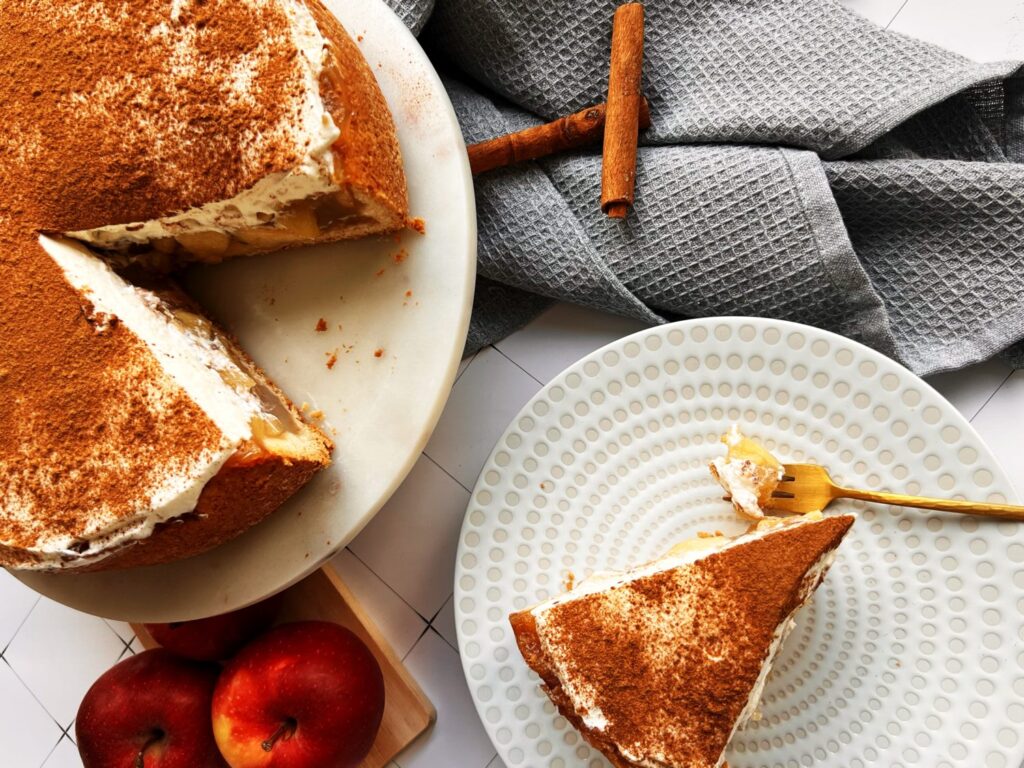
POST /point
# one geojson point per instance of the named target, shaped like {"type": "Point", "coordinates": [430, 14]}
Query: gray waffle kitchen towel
{"type": "Point", "coordinates": [803, 163]}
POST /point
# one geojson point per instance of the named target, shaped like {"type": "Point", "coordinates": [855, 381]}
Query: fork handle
{"type": "Point", "coordinates": [985, 509]}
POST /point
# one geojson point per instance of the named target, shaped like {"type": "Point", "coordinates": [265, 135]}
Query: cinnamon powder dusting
{"type": "Point", "coordinates": [109, 120]}
{"type": "Point", "coordinates": [107, 113]}
{"type": "Point", "coordinates": [670, 659]}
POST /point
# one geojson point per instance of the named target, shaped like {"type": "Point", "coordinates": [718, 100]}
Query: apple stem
{"type": "Point", "coordinates": [285, 731]}
{"type": "Point", "coordinates": [140, 759]}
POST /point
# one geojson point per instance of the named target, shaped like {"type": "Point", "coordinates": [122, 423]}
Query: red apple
{"type": "Point", "coordinates": [217, 637]}
{"type": "Point", "coordinates": [151, 710]}
{"type": "Point", "coordinates": [304, 695]}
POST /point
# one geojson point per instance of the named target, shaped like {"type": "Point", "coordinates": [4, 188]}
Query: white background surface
{"type": "Point", "coordinates": [401, 566]}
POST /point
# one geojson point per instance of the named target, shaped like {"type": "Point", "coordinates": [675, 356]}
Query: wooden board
{"type": "Point", "coordinates": [407, 711]}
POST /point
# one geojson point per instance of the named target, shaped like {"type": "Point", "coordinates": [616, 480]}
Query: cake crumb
{"type": "Point", "coordinates": [400, 256]}
{"type": "Point", "coordinates": [332, 359]}
{"type": "Point", "coordinates": [408, 294]}
{"type": "Point", "coordinates": [570, 581]}
{"type": "Point", "coordinates": [381, 271]}
{"type": "Point", "coordinates": [378, 352]}
{"type": "Point", "coordinates": [418, 225]}
{"type": "Point", "coordinates": [316, 415]}
{"type": "Point", "coordinates": [321, 325]}
{"type": "Point", "coordinates": [359, 38]}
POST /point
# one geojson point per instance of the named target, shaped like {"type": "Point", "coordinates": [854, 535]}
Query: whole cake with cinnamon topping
{"type": "Point", "coordinates": [659, 666]}
{"type": "Point", "coordinates": [152, 133]}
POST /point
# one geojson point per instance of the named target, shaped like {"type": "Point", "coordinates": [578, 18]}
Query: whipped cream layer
{"type": "Point", "coordinates": [682, 555]}
{"type": "Point", "coordinates": [814, 575]}
{"type": "Point", "coordinates": [195, 360]}
{"type": "Point", "coordinates": [313, 175]}
{"type": "Point", "coordinates": [743, 479]}
{"type": "Point", "coordinates": [686, 553]}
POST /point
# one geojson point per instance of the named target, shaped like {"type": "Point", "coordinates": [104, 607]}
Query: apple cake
{"type": "Point", "coordinates": [146, 134]}
{"type": "Point", "coordinates": [659, 666]}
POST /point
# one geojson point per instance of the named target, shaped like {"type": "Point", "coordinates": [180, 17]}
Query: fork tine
{"type": "Point", "coordinates": [803, 488]}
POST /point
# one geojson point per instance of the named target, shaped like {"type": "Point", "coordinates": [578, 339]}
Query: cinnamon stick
{"type": "Point", "coordinates": [570, 132]}
{"type": "Point", "coordinates": [618, 173]}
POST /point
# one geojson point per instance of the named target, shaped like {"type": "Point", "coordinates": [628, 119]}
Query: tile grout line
{"type": "Point", "coordinates": [118, 634]}
{"type": "Point", "coordinates": [424, 632]}
{"type": "Point", "coordinates": [990, 397]}
{"type": "Point", "coordinates": [441, 638]}
{"type": "Point", "coordinates": [32, 693]}
{"type": "Point", "coordinates": [466, 368]}
{"type": "Point", "coordinates": [451, 599]}
{"type": "Point", "coordinates": [453, 477]}
{"type": "Point", "coordinates": [517, 365]}
{"type": "Point", "coordinates": [18, 628]}
{"type": "Point", "coordinates": [390, 588]}
{"type": "Point", "coordinates": [445, 641]}
{"type": "Point", "coordinates": [898, 12]}
{"type": "Point", "coordinates": [50, 753]}
{"type": "Point", "coordinates": [438, 611]}
{"type": "Point", "coordinates": [126, 650]}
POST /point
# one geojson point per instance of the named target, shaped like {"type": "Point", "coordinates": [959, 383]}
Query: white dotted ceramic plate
{"type": "Point", "coordinates": [912, 651]}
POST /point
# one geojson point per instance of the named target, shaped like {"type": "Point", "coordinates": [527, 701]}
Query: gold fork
{"type": "Point", "coordinates": [808, 487]}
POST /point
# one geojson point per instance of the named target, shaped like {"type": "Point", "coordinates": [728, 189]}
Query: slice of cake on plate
{"type": "Point", "coordinates": [660, 665]}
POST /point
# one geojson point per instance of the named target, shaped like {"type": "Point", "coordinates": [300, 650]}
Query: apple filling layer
{"type": "Point", "coordinates": [300, 223]}
{"type": "Point", "coordinates": [306, 221]}
{"type": "Point", "coordinates": [275, 429]}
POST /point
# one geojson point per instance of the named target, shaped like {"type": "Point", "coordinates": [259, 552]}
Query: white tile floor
{"type": "Point", "coordinates": [401, 565]}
